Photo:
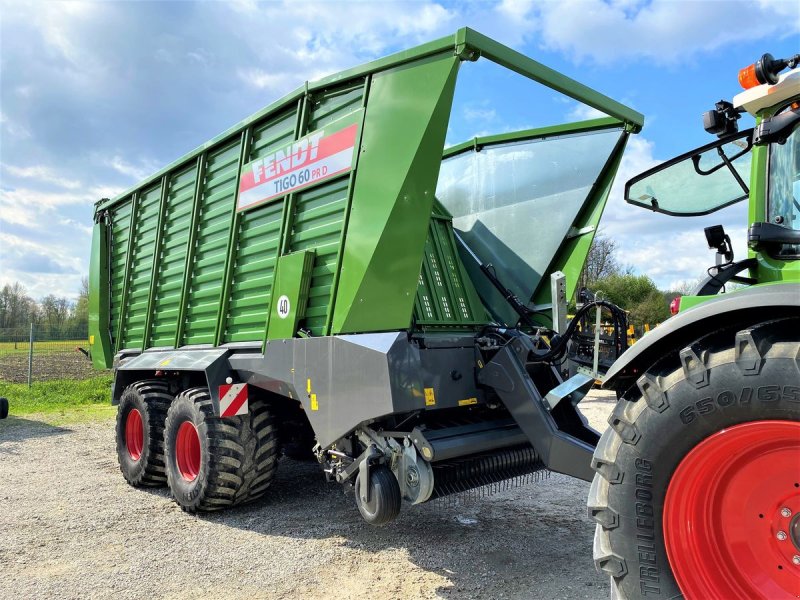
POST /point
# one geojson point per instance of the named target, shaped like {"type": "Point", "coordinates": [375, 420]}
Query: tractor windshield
{"type": "Point", "coordinates": [784, 187]}
{"type": "Point", "coordinates": [699, 182]}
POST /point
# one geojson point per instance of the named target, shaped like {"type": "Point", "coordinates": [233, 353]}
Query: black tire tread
{"type": "Point", "coordinates": [244, 455]}
{"type": "Point", "coordinates": [623, 430]}
{"type": "Point", "coordinates": [157, 398]}
{"type": "Point", "coordinates": [387, 488]}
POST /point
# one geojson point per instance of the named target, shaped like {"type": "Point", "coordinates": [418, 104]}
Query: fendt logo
{"type": "Point", "coordinates": [310, 160]}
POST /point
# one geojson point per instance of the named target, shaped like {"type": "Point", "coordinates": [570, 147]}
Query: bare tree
{"type": "Point", "coordinates": [17, 309]}
{"type": "Point", "coordinates": [601, 261]}
{"type": "Point", "coordinates": [55, 311]}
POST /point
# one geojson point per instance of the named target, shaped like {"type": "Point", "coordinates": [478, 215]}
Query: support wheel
{"type": "Point", "coordinates": [214, 463]}
{"type": "Point", "coordinates": [140, 432]}
{"type": "Point", "coordinates": [697, 490]}
{"type": "Point", "coordinates": [383, 505]}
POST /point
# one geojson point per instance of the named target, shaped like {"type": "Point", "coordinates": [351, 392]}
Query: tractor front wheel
{"type": "Point", "coordinates": [697, 485]}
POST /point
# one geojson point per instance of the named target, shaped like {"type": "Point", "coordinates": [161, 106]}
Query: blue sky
{"type": "Point", "coordinates": [96, 96]}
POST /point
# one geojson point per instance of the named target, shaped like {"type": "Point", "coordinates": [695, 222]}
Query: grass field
{"type": "Point", "coordinates": [42, 347]}
{"type": "Point", "coordinates": [62, 400]}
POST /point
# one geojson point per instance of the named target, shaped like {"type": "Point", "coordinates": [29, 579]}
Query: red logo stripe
{"type": "Point", "coordinates": [328, 145]}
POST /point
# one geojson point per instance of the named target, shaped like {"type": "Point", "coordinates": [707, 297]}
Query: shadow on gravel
{"type": "Point", "coordinates": [16, 429]}
{"type": "Point", "coordinates": [501, 545]}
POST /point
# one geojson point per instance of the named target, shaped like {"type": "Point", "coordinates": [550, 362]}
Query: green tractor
{"type": "Point", "coordinates": [697, 485]}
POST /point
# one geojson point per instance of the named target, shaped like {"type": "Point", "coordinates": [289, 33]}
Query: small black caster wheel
{"type": "Point", "coordinates": [383, 504]}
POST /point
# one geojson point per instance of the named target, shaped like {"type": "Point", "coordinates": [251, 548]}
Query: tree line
{"type": "Point", "coordinates": [638, 295]}
{"type": "Point", "coordinates": [52, 316]}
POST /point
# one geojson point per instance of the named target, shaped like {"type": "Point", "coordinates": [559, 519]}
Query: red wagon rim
{"type": "Point", "coordinates": [732, 514]}
{"type": "Point", "coordinates": [134, 434]}
{"type": "Point", "coordinates": [187, 451]}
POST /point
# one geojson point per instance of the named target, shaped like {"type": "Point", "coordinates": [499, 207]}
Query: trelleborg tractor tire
{"type": "Point", "coordinates": [214, 463]}
{"type": "Point", "coordinates": [140, 432]}
{"type": "Point", "coordinates": [697, 485]}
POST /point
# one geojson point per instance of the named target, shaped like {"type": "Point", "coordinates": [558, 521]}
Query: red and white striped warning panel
{"type": "Point", "coordinates": [312, 159]}
{"type": "Point", "coordinates": [233, 399]}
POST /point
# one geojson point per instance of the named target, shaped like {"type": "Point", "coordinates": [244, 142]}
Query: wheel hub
{"type": "Point", "coordinates": [794, 531]}
{"type": "Point", "coordinates": [187, 451]}
{"type": "Point", "coordinates": [732, 514]}
{"type": "Point", "coordinates": [134, 434]}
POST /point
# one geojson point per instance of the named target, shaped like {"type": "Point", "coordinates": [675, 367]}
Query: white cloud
{"type": "Point", "coordinates": [661, 31]}
{"type": "Point", "coordinates": [42, 174]}
{"type": "Point", "coordinates": [474, 113]}
{"type": "Point", "coordinates": [39, 210]}
{"type": "Point", "coordinates": [582, 112]}
{"type": "Point", "coordinates": [14, 128]}
{"type": "Point", "coordinates": [261, 79]}
{"type": "Point", "coordinates": [135, 172]}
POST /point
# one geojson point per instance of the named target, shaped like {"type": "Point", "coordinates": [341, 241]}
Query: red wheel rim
{"type": "Point", "coordinates": [134, 434]}
{"type": "Point", "coordinates": [187, 451]}
{"type": "Point", "coordinates": [732, 514]}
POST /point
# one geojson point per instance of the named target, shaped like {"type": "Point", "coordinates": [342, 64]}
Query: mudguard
{"type": "Point", "coordinates": [758, 302]}
{"type": "Point", "coordinates": [212, 363]}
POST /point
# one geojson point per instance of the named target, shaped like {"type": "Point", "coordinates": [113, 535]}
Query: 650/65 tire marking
{"type": "Point", "coordinates": [725, 398]}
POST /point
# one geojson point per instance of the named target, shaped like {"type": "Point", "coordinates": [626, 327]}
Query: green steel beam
{"type": "Point", "coordinates": [190, 249]}
{"type": "Point", "coordinates": [519, 63]}
{"type": "Point", "coordinates": [529, 134]}
{"type": "Point", "coordinates": [233, 239]}
{"type": "Point", "coordinates": [151, 297]}
{"type": "Point", "coordinates": [99, 293]}
{"type": "Point", "coordinates": [128, 255]}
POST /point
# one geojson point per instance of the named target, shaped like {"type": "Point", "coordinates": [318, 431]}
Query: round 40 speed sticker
{"type": "Point", "coordinates": [284, 307]}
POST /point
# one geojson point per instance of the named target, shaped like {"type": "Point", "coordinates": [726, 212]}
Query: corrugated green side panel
{"type": "Point", "coordinates": [174, 244]}
{"type": "Point", "coordinates": [141, 265]}
{"type": "Point", "coordinates": [319, 213]}
{"type": "Point", "coordinates": [254, 272]}
{"type": "Point", "coordinates": [335, 105]}
{"type": "Point", "coordinates": [445, 296]}
{"type": "Point", "coordinates": [208, 270]}
{"type": "Point", "coordinates": [318, 221]}
{"type": "Point", "coordinates": [120, 232]}
{"type": "Point", "coordinates": [258, 242]}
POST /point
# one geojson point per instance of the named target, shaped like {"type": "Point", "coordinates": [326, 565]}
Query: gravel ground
{"type": "Point", "coordinates": [71, 527]}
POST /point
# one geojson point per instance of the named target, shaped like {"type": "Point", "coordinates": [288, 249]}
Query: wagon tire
{"type": "Point", "coordinates": [141, 414]}
{"type": "Point", "coordinates": [215, 463]}
{"type": "Point", "coordinates": [696, 455]}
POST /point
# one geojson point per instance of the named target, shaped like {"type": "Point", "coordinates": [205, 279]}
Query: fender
{"type": "Point", "coordinates": [209, 365]}
{"type": "Point", "coordinates": [752, 304]}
